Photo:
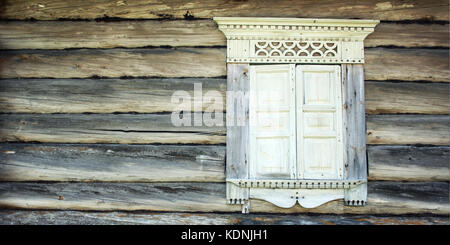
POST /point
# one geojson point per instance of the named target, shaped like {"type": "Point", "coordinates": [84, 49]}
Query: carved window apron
{"type": "Point", "coordinates": [297, 89]}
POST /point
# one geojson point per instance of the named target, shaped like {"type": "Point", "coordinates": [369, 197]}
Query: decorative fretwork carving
{"type": "Point", "coordinates": [288, 40]}
{"type": "Point", "coordinates": [306, 49]}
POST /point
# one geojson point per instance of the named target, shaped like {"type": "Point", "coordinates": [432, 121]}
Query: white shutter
{"type": "Point", "coordinates": [319, 122]}
{"type": "Point", "coordinates": [272, 122]}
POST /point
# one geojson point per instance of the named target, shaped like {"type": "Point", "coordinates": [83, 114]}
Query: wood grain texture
{"type": "Point", "coordinates": [23, 217]}
{"type": "Point", "coordinates": [409, 35]}
{"type": "Point", "coordinates": [408, 129]}
{"type": "Point", "coordinates": [153, 95]}
{"type": "Point", "coordinates": [238, 135]}
{"type": "Point", "coordinates": [407, 64]}
{"type": "Point", "coordinates": [158, 62]}
{"type": "Point", "coordinates": [157, 128]}
{"type": "Point", "coordinates": [384, 198]}
{"type": "Point", "coordinates": [200, 163]}
{"type": "Point", "coordinates": [381, 63]}
{"type": "Point", "coordinates": [365, 9]}
{"type": "Point", "coordinates": [111, 162]}
{"type": "Point", "coordinates": [104, 95]}
{"type": "Point", "coordinates": [105, 128]}
{"type": "Point", "coordinates": [407, 97]}
{"type": "Point", "coordinates": [409, 163]}
{"type": "Point", "coordinates": [354, 122]}
{"type": "Point", "coordinates": [91, 34]}
{"type": "Point", "coordinates": [135, 34]}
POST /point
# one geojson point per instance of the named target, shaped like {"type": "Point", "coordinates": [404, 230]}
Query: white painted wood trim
{"type": "Point", "coordinates": [345, 36]}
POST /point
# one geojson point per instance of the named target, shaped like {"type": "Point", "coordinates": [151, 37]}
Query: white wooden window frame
{"type": "Point", "coordinates": [297, 44]}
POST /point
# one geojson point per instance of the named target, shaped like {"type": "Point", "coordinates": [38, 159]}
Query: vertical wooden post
{"type": "Point", "coordinates": [237, 157]}
{"type": "Point", "coordinates": [354, 132]}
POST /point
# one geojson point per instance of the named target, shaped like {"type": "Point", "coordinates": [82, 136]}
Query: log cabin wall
{"type": "Point", "coordinates": [85, 102]}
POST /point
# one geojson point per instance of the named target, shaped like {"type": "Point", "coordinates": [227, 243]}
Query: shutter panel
{"type": "Point", "coordinates": [319, 123]}
{"type": "Point", "coordinates": [272, 122]}
{"type": "Point", "coordinates": [237, 131]}
{"type": "Point", "coordinates": [355, 133]}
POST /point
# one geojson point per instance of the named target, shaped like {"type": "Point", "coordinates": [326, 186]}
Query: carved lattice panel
{"type": "Point", "coordinates": [296, 49]}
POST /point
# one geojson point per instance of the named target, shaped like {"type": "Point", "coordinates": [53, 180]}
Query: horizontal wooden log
{"type": "Point", "coordinates": [158, 62]}
{"type": "Point", "coordinates": [105, 95]}
{"type": "Point", "coordinates": [105, 128]}
{"type": "Point", "coordinates": [110, 162]}
{"type": "Point", "coordinates": [23, 217]}
{"type": "Point", "coordinates": [408, 129]}
{"type": "Point", "coordinates": [134, 34]}
{"type": "Point", "coordinates": [409, 35]}
{"type": "Point", "coordinates": [151, 128]}
{"type": "Point", "coordinates": [407, 64]}
{"type": "Point", "coordinates": [365, 9]}
{"type": "Point", "coordinates": [384, 198]}
{"type": "Point", "coordinates": [200, 163]}
{"type": "Point", "coordinates": [130, 34]}
{"type": "Point", "coordinates": [155, 95]}
{"type": "Point", "coordinates": [406, 97]}
{"type": "Point", "coordinates": [408, 163]}
{"type": "Point", "coordinates": [381, 63]}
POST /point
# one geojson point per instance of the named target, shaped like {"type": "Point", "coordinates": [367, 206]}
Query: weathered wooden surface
{"type": "Point", "coordinates": [238, 134]}
{"type": "Point", "coordinates": [91, 34]}
{"type": "Point", "coordinates": [381, 63]}
{"type": "Point", "coordinates": [105, 128]}
{"type": "Point", "coordinates": [407, 97]}
{"type": "Point", "coordinates": [409, 163]}
{"type": "Point", "coordinates": [21, 217]}
{"type": "Point", "coordinates": [354, 132]}
{"type": "Point", "coordinates": [157, 128]}
{"type": "Point", "coordinates": [407, 64]}
{"type": "Point", "coordinates": [135, 34]}
{"type": "Point", "coordinates": [199, 163]}
{"type": "Point", "coordinates": [153, 62]}
{"type": "Point", "coordinates": [111, 162]}
{"type": "Point", "coordinates": [408, 129]}
{"type": "Point", "coordinates": [354, 122]}
{"type": "Point", "coordinates": [154, 95]}
{"type": "Point", "coordinates": [384, 198]}
{"type": "Point", "coordinates": [104, 95]}
{"type": "Point", "coordinates": [365, 9]}
{"type": "Point", "coordinates": [409, 35]}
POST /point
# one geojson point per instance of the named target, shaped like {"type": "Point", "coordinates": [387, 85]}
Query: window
{"type": "Point", "coordinates": [303, 139]}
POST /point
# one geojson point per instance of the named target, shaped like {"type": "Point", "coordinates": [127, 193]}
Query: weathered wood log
{"type": "Point", "coordinates": [104, 95]}
{"type": "Point", "coordinates": [384, 198]}
{"type": "Point", "coordinates": [409, 163]}
{"type": "Point", "coordinates": [154, 95]}
{"type": "Point", "coordinates": [407, 64]}
{"type": "Point", "coordinates": [381, 63]}
{"type": "Point", "coordinates": [407, 97]}
{"type": "Point", "coordinates": [409, 35]}
{"type": "Point", "coordinates": [200, 163]}
{"type": "Point", "coordinates": [105, 128]}
{"type": "Point", "coordinates": [158, 62]}
{"type": "Point", "coordinates": [111, 162]}
{"type": "Point", "coordinates": [24, 217]}
{"type": "Point", "coordinates": [408, 129]}
{"type": "Point", "coordinates": [135, 34]}
{"type": "Point", "coordinates": [130, 34]}
{"type": "Point", "coordinates": [365, 9]}
{"type": "Point", "coordinates": [151, 128]}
